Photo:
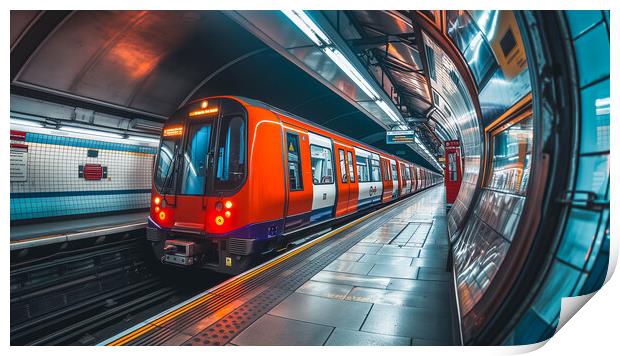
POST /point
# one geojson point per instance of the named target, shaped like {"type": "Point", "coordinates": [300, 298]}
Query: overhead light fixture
{"type": "Point", "coordinates": [307, 26]}
{"type": "Point", "coordinates": [26, 122]}
{"type": "Point", "coordinates": [143, 139]}
{"type": "Point", "coordinates": [341, 61]}
{"type": "Point", "coordinates": [316, 35]}
{"type": "Point", "coordinates": [146, 125]}
{"type": "Point", "coordinates": [385, 107]}
{"type": "Point", "coordinates": [90, 132]}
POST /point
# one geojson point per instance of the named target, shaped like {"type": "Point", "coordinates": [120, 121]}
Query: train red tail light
{"type": "Point", "coordinates": [162, 216]}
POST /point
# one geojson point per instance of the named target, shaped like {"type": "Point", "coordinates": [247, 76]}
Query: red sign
{"type": "Point", "coordinates": [20, 146]}
{"type": "Point", "coordinates": [453, 171]}
{"type": "Point", "coordinates": [93, 172]}
{"type": "Point", "coordinates": [452, 143]}
{"type": "Point", "coordinates": [18, 135]}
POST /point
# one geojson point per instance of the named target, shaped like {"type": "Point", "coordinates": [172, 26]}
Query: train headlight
{"type": "Point", "coordinates": [162, 216]}
{"type": "Point", "coordinates": [227, 214]}
{"type": "Point", "coordinates": [157, 200]}
{"type": "Point", "coordinates": [228, 204]}
{"type": "Point", "coordinates": [219, 220]}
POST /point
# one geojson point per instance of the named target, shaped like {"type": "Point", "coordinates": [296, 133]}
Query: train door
{"type": "Point", "coordinates": [323, 181]}
{"type": "Point", "coordinates": [406, 179]}
{"type": "Point", "coordinates": [394, 176]}
{"type": "Point", "coordinates": [298, 205]}
{"type": "Point", "coordinates": [353, 183]}
{"type": "Point", "coordinates": [342, 180]}
{"type": "Point", "coordinates": [401, 179]}
{"type": "Point", "coordinates": [414, 179]}
{"type": "Point", "coordinates": [387, 180]}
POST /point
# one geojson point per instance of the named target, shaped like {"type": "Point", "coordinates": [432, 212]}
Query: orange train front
{"type": "Point", "coordinates": [235, 178]}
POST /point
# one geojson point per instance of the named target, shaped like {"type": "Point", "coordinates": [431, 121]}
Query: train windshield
{"type": "Point", "coordinates": [189, 170]}
{"type": "Point", "coordinates": [163, 172]}
{"type": "Point", "coordinates": [193, 167]}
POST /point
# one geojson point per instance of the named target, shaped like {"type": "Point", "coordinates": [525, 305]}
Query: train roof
{"type": "Point", "coordinates": [258, 103]}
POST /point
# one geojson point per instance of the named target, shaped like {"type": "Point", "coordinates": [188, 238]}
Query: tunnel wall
{"type": "Point", "coordinates": [581, 259]}
{"type": "Point", "coordinates": [52, 187]}
{"type": "Point", "coordinates": [45, 164]}
{"type": "Point", "coordinates": [482, 227]}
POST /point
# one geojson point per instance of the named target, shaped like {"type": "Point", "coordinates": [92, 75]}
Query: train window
{"type": "Point", "coordinates": [363, 175]}
{"type": "Point", "coordinates": [294, 163]}
{"type": "Point", "coordinates": [163, 172]}
{"type": "Point", "coordinates": [512, 151]}
{"type": "Point", "coordinates": [375, 171]}
{"type": "Point", "coordinates": [230, 172]}
{"type": "Point", "coordinates": [322, 167]}
{"type": "Point", "coordinates": [351, 171]}
{"type": "Point", "coordinates": [194, 171]}
{"type": "Point", "coordinates": [394, 172]}
{"type": "Point", "coordinates": [343, 166]}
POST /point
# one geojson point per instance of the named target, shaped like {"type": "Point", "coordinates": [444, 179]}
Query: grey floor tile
{"type": "Point", "coordinates": [394, 271]}
{"type": "Point", "coordinates": [431, 288]}
{"type": "Point", "coordinates": [359, 248]}
{"type": "Point", "coordinates": [396, 297]}
{"type": "Point", "coordinates": [345, 337]}
{"type": "Point", "coordinates": [429, 262]}
{"type": "Point", "coordinates": [391, 250]}
{"type": "Point", "coordinates": [434, 274]}
{"type": "Point", "coordinates": [275, 331]}
{"type": "Point", "coordinates": [349, 267]}
{"type": "Point", "coordinates": [324, 311]}
{"type": "Point", "coordinates": [429, 342]}
{"type": "Point", "coordinates": [350, 256]}
{"type": "Point", "coordinates": [409, 322]}
{"type": "Point", "coordinates": [327, 290]}
{"type": "Point", "coordinates": [433, 253]}
{"type": "Point", "coordinates": [386, 260]}
{"type": "Point", "coordinates": [351, 279]}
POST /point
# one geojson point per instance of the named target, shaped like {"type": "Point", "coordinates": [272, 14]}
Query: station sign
{"type": "Point", "coordinates": [452, 143]}
{"type": "Point", "coordinates": [402, 136]}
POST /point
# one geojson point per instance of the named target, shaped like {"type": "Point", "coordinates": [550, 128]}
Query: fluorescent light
{"type": "Point", "coordinates": [26, 122]}
{"type": "Point", "coordinates": [346, 66]}
{"type": "Point", "coordinates": [143, 139]}
{"type": "Point", "coordinates": [386, 108]}
{"type": "Point", "coordinates": [307, 26]}
{"type": "Point", "coordinates": [90, 132]}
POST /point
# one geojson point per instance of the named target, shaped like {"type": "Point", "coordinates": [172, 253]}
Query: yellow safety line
{"type": "Point", "coordinates": [150, 326]}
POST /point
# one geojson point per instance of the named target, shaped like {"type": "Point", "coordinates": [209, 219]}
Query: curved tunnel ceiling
{"type": "Point", "coordinates": [151, 62]}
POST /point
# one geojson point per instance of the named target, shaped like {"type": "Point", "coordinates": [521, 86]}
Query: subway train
{"type": "Point", "coordinates": [235, 178]}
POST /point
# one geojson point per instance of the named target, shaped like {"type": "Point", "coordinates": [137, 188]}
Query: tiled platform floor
{"type": "Point", "coordinates": [392, 288]}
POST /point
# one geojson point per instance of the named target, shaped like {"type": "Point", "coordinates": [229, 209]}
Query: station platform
{"type": "Point", "coordinates": [51, 232]}
{"type": "Point", "coordinates": [379, 280]}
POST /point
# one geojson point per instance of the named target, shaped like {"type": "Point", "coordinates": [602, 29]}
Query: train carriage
{"type": "Point", "coordinates": [236, 178]}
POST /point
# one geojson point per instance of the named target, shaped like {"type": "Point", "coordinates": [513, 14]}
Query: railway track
{"type": "Point", "coordinates": [71, 297]}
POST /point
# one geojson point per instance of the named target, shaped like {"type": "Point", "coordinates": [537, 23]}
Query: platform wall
{"type": "Point", "coordinates": [49, 185]}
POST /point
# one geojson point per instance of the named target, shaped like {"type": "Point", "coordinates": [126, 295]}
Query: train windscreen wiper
{"type": "Point", "coordinates": [165, 189]}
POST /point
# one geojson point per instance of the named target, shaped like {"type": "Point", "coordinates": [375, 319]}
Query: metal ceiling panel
{"type": "Point", "coordinates": [20, 20]}
{"type": "Point", "coordinates": [147, 60]}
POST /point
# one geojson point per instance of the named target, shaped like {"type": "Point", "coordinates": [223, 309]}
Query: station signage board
{"type": "Point", "coordinates": [19, 162]}
{"type": "Point", "coordinates": [402, 136]}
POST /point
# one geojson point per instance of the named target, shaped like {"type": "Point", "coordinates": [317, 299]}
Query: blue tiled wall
{"type": "Point", "coordinates": [53, 188]}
